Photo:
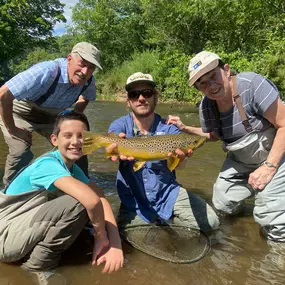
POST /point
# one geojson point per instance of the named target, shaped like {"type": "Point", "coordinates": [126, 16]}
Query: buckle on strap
{"type": "Point", "coordinates": [247, 126]}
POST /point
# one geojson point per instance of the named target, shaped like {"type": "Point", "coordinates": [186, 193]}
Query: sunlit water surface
{"type": "Point", "coordinates": [238, 255]}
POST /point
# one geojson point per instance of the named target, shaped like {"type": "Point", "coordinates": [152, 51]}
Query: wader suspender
{"type": "Point", "coordinates": [241, 111]}
{"type": "Point", "coordinates": [44, 97]}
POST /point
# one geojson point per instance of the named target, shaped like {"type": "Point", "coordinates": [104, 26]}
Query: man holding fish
{"type": "Point", "coordinates": [150, 192]}
{"type": "Point", "coordinates": [245, 112]}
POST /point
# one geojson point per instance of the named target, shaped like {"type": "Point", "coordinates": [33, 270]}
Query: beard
{"type": "Point", "coordinates": [144, 113]}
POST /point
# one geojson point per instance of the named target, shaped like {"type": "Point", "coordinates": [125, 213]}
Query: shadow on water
{"type": "Point", "coordinates": [238, 255]}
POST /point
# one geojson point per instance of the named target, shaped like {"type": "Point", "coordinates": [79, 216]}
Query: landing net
{"type": "Point", "coordinates": [171, 243]}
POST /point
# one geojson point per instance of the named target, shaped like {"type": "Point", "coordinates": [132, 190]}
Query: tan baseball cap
{"type": "Point", "coordinates": [88, 52]}
{"type": "Point", "coordinates": [200, 64]}
{"type": "Point", "coordinates": [139, 77]}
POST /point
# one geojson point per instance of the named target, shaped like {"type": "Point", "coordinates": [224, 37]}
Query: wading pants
{"type": "Point", "coordinates": [229, 193]}
{"type": "Point", "coordinates": [189, 210]}
{"type": "Point", "coordinates": [38, 229]}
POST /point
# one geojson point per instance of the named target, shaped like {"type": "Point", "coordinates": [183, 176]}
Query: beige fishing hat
{"type": "Point", "coordinates": [200, 64]}
{"type": "Point", "coordinates": [139, 77]}
{"type": "Point", "coordinates": [88, 52]}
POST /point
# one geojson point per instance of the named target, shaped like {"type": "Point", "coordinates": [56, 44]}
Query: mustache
{"type": "Point", "coordinates": [80, 74]}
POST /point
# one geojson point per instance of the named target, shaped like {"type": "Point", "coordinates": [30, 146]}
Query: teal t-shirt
{"type": "Point", "coordinates": [43, 172]}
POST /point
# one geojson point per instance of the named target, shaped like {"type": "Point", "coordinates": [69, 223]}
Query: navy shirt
{"type": "Point", "coordinates": [151, 191]}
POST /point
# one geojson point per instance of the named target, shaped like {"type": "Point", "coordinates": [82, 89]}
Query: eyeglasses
{"type": "Point", "coordinates": [135, 94]}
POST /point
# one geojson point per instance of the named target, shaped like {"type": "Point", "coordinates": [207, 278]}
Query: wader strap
{"type": "Point", "coordinates": [44, 97]}
{"type": "Point", "coordinates": [238, 102]}
{"type": "Point", "coordinates": [51, 90]}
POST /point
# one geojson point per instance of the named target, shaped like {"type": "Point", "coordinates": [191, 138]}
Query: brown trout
{"type": "Point", "coordinates": [144, 148]}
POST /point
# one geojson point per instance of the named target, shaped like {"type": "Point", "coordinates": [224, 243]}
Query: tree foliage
{"type": "Point", "coordinates": [25, 24]}
{"type": "Point", "coordinates": [160, 36]}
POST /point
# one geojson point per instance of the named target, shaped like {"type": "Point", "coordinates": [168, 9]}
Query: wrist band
{"type": "Point", "coordinates": [269, 164]}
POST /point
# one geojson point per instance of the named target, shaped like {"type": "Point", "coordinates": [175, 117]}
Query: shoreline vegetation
{"type": "Point", "coordinates": [155, 37]}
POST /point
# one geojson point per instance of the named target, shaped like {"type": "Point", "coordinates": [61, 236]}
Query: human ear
{"type": "Point", "coordinates": [53, 140]}
{"type": "Point", "coordinates": [227, 70]}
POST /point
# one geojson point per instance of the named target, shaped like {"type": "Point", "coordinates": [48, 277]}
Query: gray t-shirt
{"type": "Point", "coordinates": [257, 94]}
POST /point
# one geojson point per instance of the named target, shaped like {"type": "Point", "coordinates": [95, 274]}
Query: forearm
{"type": "Point", "coordinates": [6, 108]}
{"type": "Point", "coordinates": [111, 225]}
{"type": "Point", "coordinates": [110, 221]}
{"type": "Point", "coordinates": [198, 131]}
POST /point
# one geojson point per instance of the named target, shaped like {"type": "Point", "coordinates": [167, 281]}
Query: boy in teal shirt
{"type": "Point", "coordinates": [46, 206]}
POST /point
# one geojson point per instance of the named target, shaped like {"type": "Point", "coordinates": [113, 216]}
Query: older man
{"type": "Point", "coordinates": [152, 193]}
{"type": "Point", "coordinates": [31, 100]}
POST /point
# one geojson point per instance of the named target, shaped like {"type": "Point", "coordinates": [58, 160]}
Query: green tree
{"type": "Point", "coordinates": [26, 23]}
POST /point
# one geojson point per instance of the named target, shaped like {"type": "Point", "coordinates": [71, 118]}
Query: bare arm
{"type": "Point", "coordinates": [262, 175]}
{"type": "Point", "coordinates": [6, 112]}
{"type": "Point", "coordinates": [113, 258]}
{"type": "Point", "coordinates": [93, 205]}
{"type": "Point", "coordinates": [81, 104]}
{"type": "Point", "coordinates": [6, 108]}
{"type": "Point", "coordinates": [189, 129]}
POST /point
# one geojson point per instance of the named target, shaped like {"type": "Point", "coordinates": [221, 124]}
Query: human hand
{"type": "Point", "coordinates": [176, 121]}
{"type": "Point", "coordinates": [113, 149]}
{"type": "Point", "coordinates": [22, 134]}
{"type": "Point", "coordinates": [113, 259]}
{"type": "Point", "coordinates": [261, 176]}
{"type": "Point", "coordinates": [101, 244]}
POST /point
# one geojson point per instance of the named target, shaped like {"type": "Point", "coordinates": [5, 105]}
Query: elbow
{"type": "Point", "coordinates": [93, 204]}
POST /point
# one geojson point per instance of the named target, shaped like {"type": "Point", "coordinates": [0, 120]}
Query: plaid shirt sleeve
{"type": "Point", "coordinates": [33, 82]}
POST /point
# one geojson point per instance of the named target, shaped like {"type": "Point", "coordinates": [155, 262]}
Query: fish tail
{"type": "Point", "coordinates": [92, 142]}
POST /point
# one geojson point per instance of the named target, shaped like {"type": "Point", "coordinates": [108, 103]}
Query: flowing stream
{"type": "Point", "coordinates": [239, 256]}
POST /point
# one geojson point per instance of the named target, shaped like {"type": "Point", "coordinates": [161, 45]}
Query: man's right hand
{"type": "Point", "coordinates": [113, 148]}
{"type": "Point", "coordinates": [22, 134]}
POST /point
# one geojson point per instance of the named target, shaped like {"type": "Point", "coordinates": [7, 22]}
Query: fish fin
{"type": "Point", "coordinates": [172, 162]}
{"type": "Point", "coordinates": [90, 142]}
{"type": "Point", "coordinates": [138, 165]}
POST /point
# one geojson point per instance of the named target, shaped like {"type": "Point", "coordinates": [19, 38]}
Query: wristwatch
{"type": "Point", "coordinates": [269, 164]}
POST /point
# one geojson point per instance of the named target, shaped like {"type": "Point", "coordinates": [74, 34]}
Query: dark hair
{"type": "Point", "coordinates": [68, 116]}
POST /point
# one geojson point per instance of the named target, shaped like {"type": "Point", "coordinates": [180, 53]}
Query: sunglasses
{"type": "Point", "coordinates": [135, 94]}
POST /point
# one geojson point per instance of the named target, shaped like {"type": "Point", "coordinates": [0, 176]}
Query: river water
{"type": "Point", "coordinates": [239, 256]}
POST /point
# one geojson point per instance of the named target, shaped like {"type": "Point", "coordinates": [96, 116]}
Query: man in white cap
{"type": "Point", "coordinates": [152, 193]}
{"type": "Point", "coordinates": [31, 100]}
{"type": "Point", "coordinates": [245, 112]}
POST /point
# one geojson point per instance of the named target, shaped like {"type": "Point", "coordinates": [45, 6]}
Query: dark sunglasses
{"type": "Point", "coordinates": [135, 94]}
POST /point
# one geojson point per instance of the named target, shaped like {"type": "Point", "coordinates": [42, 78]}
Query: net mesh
{"type": "Point", "coordinates": [178, 244]}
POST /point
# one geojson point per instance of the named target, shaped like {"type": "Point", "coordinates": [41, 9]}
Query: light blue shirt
{"type": "Point", "coordinates": [34, 82]}
{"type": "Point", "coordinates": [151, 192]}
{"type": "Point", "coordinates": [42, 174]}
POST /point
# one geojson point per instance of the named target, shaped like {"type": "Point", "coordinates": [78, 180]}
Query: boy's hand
{"type": "Point", "coordinates": [113, 258]}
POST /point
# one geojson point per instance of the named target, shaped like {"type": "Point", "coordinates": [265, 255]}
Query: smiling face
{"type": "Point", "coordinates": [215, 84]}
{"type": "Point", "coordinates": [142, 106]}
{"type": "Point", "coordinates": [69, 140]}
{"type": "Point", "coordinates": [79, 70]}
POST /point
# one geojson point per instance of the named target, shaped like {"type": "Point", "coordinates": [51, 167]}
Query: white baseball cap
{"type": "Point", "coordinates": [88, 52]}
{"type": "Point", "coordinates": [200, 64]}
{"type": "Point", "coordinates": [139, 77]}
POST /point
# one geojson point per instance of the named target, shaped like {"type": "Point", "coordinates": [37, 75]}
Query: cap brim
{"type": "Point", "coordinates": [212, 65]}
{"type": "Point", "coordinates": [92, 60]}
{"type": "Point", "coordinates": [152, 83]}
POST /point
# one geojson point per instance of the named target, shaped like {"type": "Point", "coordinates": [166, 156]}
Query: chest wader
{"type": "Point", "coordinates": [243, 157]}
